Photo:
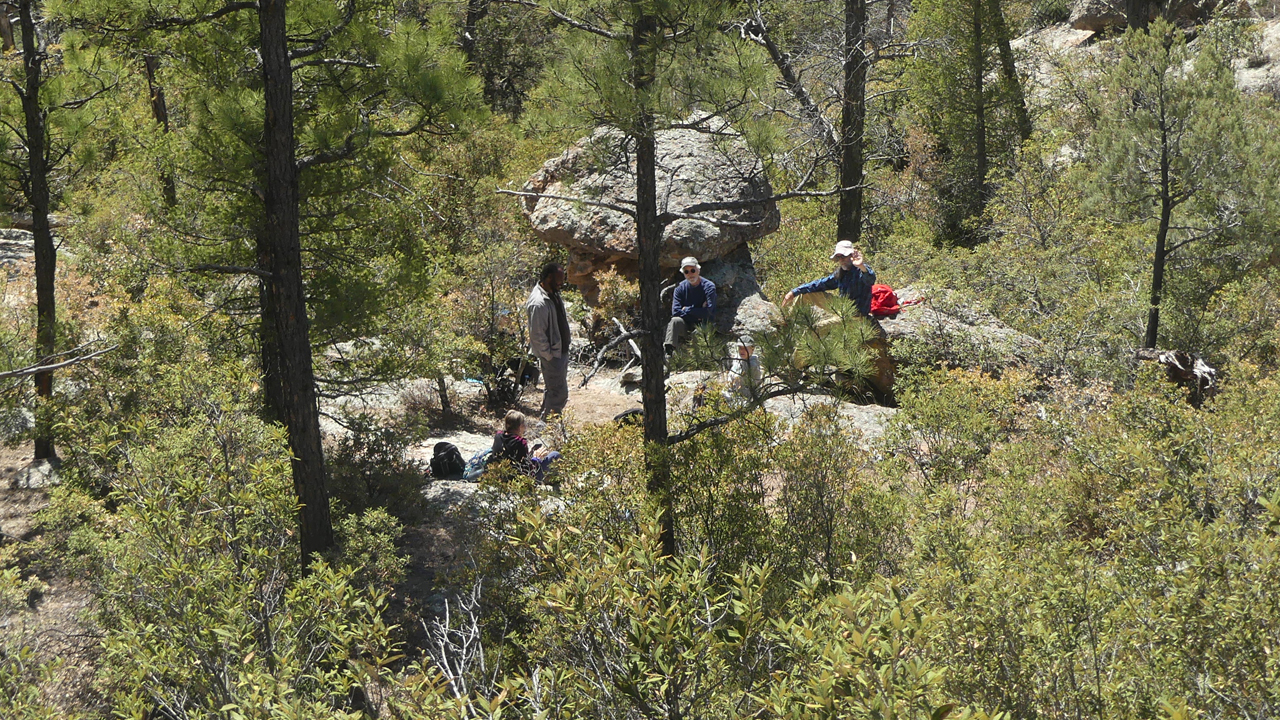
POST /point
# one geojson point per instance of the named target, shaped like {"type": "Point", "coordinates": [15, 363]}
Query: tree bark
{"type": "Point", "coordinates": [1137, 13]}
{"type": "Point", "coordinates": [1009, 69]}
{"type": "Point", "coordinates": [853, 117]}
{"type": "Point", "coordinates": [37, 187]}
{"type": "Point", "coordinates": [6, 29]}
{"type": "Point", "coordinates": [977, 66]}
{"type": "Point", "coordinates": [476, 11]}
{"type": "Point", "coordinates": [442, 389]}
{"type": "Point", "coordinates": [1162, 237]}
{"type": "Point", "coordinates": [160, 111]}
{"type": "Point", "coordinates": [301, 411]}
{"type": "Point", "coordinates": [268, 340]}
{"type": "Point", "coordinates": [649, 242]}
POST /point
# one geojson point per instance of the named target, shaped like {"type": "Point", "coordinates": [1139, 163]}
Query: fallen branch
{"type": "Point", "coordinates": [37, 369]}
{"type": "Point", "coordinates": [634, 347]}
{"type": "Point", "coordinates": [624, 337]}
{"type": "Point", "coordinates": [755, 404]}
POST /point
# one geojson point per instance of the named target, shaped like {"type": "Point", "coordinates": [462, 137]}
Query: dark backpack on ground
{"type": "Point", "coordinates": [447, 462]}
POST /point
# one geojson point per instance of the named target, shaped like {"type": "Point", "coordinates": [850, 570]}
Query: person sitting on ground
{"type": "Point", "coordinates": [853, 279]}
{"type": "Point", "coordinates": [693, 302]}
{"type": "Point", "coordinates": [745, 372]}
{"type": "Point", "coordinates": [511, 446]}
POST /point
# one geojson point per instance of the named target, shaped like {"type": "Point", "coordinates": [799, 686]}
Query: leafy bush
{"type": "Point", "coordinates": [368, 469]}
{"type": "Point", "coordinates": [21, 681]}
{"type": "Point", "coordinates": [206, 607]}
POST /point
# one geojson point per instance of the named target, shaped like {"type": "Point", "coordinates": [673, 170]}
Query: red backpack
{"type": "Point", "coordinates": [883, 302]}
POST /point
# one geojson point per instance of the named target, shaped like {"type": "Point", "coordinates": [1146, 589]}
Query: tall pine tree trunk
{"type": "Point", "coordinates": [476, 11]}
{"type": "Point", "coordinates": [160, 112]}
{"type": "Point", "coordinates": [1009, 69]}
{"type": "Point", "coordinates": [977, 71]}
{"type": "Point", "coordinates": [853, 117]}
{"type": "Point", "coordinates": [1162, 237]}
{"type": "Point", "coordinates": [299, 404]}
{"type": "Point", "coordinates": [38, 198]}
{"type": "Point", "coordinates": [268, 340]}
{"type": "Point", "coordinates": [649, 244]}
{"type": "Point", "coordinates": [1137, 13]}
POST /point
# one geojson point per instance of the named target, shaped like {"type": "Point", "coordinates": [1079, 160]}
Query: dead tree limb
{"type": "Point", "coordinates": [624, 337]}
{"type": "Point", "coordinates": [38, 368]}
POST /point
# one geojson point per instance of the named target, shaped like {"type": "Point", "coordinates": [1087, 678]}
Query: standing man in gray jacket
{"type": "Point", "coordinates": [549, 337]}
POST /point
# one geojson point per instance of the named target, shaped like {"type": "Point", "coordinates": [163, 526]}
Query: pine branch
{"type": "Point", "coordinates": [571, 22]}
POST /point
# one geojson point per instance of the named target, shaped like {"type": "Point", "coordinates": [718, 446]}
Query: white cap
{"type": "Point", "coordinates": [691, 260]}
{"type": "Point", "coordinates": [844, 248]}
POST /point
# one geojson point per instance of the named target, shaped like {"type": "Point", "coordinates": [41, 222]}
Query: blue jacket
{"type": "Point", "coordinates": [854, 284]}
{"type": "Point", "coordinates": [688, 298]}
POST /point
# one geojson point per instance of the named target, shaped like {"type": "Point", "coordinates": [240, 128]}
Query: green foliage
{"type": "Point", "coordinates": [368, 469]}
{"type": "Point", "coordinates": [960, 99]}
{"type": "Point", "coordinates": [367, 545]}
{"type": "Point", "coordinates": [1175, 149]}
{"type": "Point", "coordinates": [22, 678]}
{"type": "Point", "coordinates": [949, 423]}
{"type": "Point", "coordinates": [206, 606]}
{"type": "Point", "coordinates": [1049, 12]}
{"type": "Point", "coordinates": [833, 522]}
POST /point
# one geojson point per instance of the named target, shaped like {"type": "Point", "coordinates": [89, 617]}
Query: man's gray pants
{"type": "Point", "coordinates": [555, 383]}
{"type": "Point", "coordinates": [677, 331]}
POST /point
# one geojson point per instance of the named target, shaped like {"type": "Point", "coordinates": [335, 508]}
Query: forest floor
{"type": "Point", "coordinates": [60, 625]}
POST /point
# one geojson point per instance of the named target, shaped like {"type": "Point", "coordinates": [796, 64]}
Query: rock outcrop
{"type": "Point", "coordinates": [16, 246]}
{"type": "Point", "coordinates": [580, 193]}
{"type": "Point", "coordinates": [1260, 71]}
{"type": "Point", "coordinates": [966, 332]}
{"type": "Point", "coordinates": [1098, 15]}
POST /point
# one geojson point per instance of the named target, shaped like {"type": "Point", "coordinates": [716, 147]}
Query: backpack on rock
{"type": "Point", "coordinates": [446, 462]}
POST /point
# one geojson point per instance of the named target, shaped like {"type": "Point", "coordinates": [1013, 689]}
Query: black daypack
{"type": "Point", "coordinates": [447, 462]}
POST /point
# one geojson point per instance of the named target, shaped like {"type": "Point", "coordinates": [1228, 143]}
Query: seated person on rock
{"type": "Point", "coordinates": [852, 278]}
{"type": "Point", "coordinates": [693, 302]}
{"type": "Point", "coordinates": [511, 446]}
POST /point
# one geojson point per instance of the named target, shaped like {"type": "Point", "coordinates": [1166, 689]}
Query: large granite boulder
{"type": "Point", "coordinates": [743, 308]}
{"type": "Point", "coordinates": [1098, 15]}
{"type": "Point", "coordinates": [576, 188]}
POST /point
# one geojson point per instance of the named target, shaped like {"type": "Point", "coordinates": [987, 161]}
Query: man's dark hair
{"type": "Point", "coordinates": [548, 270]}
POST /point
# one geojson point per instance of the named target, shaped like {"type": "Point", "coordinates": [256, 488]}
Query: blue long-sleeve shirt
{"type": "Point", "coordinates": [853, 284]}
{"type": "Point", "coordinates": [687, 301]}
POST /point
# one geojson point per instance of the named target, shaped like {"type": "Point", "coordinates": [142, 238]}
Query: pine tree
{"type": "Point", "coordinates": [50, 82]}
{"type": "Point", "coordinates": [277, 146]}
{"type": "Point", "coordinates": [1172, 147]}
{"type": "Point", "coordinates": [977, 123]}
{"type": "Point", "coordinates": [640, 66]}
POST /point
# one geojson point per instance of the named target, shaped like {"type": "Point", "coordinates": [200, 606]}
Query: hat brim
{"type": "Point", "coordinates": [840, 255]}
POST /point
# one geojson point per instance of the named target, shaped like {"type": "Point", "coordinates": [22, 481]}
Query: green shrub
{"type": "Point", "coordinates": [368, 469]}
{"type": "Point", "coordinates": [206, 607]}
{"type": "Point", "coordinates": [1049, 12]}
{"type": "Point", "coordinates": [22, 679]}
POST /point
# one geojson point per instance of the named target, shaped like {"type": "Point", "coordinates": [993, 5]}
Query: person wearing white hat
{"type": "Point", "coordinates": [693, 302]}
{"type": "Point", "coordinates": [852, 278]}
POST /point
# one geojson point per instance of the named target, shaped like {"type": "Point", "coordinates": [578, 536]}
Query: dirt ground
{"type": "Point", "coordinates": [59, 623]}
